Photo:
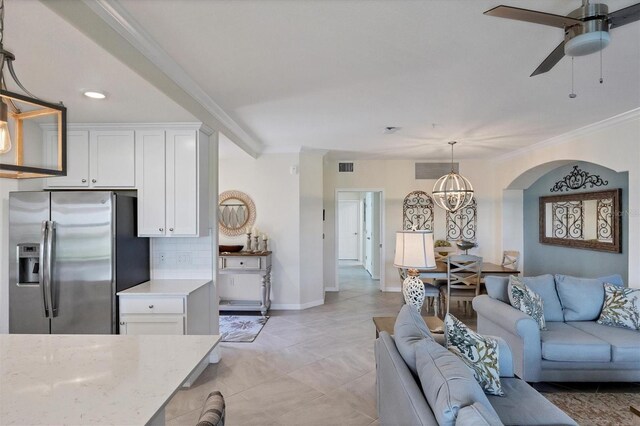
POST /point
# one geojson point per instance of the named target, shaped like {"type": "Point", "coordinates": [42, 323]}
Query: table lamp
{"type": "Point", "coordinates": [414, 250]}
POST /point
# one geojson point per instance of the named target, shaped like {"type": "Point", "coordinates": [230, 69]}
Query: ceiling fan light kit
{"type": "Point", "coordinates": [586, 29]}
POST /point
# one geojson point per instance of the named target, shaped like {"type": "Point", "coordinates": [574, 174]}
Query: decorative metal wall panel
{"type": "Point", "coordinates": [567, 220]}
{"type": "Point", "coordinates": [604, 222]}
{"type": "Point", "coordinates": [462, 224]}
{"type": "Point", "coordinates": [578, 179]}
{"type": "Point", "coordinates": [417, 210]}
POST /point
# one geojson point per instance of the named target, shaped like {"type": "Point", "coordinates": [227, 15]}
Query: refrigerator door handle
{"type": "Point", "coordinates": [53, 310]}
{"type": "Point", "coordinates": [42, 275]}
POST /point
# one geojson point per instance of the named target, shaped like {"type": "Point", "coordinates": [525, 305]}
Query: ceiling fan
{"type": "Point", "coordinates": [586, 29]}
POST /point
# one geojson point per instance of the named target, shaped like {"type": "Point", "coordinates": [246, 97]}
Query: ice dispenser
{"type": "Point", "coordinates": [28, 263]}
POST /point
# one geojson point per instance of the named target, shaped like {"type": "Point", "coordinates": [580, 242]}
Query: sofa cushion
{"type": "Point", "coordinates": [526, 300]}
{"type": "Point", "coordinates": [448, 384]}
{"type": "Point", "coordinates": [621, 307]}
{"type": "Point", "coordinates": [625, 344]}
{"type": "Point", "coordinates": [497, 287]}
{"type": "Point", "coordinates": [523, 405]}
{"type": "Point", "coordinates": [545, 287]}
{"type": "Point", "coordinates": [562, 342]}
{"type": "Point", "coordinates": [408, 330]}
{"type": "Point", "coordinates": [477, 415]}
{"type": "Point", "coordinates": [479, 352]}
{"type": "Point", "coordinates": [582, 298]}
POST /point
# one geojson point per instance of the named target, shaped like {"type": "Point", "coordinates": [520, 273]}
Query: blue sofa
{"type": "Point", "coordinates": [574, 348]}
{"type": "Point", "coordinates": [401, 395]}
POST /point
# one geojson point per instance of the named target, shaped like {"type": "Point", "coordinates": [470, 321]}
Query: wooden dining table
{"type": "Point", "coordinates": [488, 268]}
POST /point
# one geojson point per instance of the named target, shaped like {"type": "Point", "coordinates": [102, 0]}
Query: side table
{"type": "Point", "coordinates": [247, 263]}
{"type": "Point", "coordinates": [435, 324]}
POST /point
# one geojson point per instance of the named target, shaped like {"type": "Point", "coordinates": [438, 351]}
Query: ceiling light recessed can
{"type": "Point", "coordinates": [94, 94]}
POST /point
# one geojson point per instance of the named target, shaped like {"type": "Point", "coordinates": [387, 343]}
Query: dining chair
{"type": "Point", "coordinates": [213, 410]}
{"type": "Point", "coordinates": [463, 278]}
{"type": "Point", "coordinates": [431, 292]}
{"type": "Point", "coordinates": [511, 259]}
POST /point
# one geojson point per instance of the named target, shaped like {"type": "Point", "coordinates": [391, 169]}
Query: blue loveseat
{"type": "Point", "coordinates": [574, 348]}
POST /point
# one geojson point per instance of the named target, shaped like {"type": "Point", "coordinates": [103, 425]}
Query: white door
{"type": "Point", "coordinates": [348, 224]}
{"type": "Point", "coordinates": [182, 183]}
{"type": "Point", "coordinates": [112, 159]}
{"type": "Point", "coordinates": [152, 324]}
{"type": "Point", "coordinates": [368, 233]}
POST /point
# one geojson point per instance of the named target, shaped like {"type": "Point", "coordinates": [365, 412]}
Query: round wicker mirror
{"type": "Point", "coordinates": [236, 213]}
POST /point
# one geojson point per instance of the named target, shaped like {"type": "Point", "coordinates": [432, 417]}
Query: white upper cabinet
{"type": "Point", "coordinates": [112, 159]}
{"type": "Point", "coordinates": [172, 177]}
{"type": "Point", "coordinates": [98, 159]}
{"type": "Point", "coordinates": [77, 160]}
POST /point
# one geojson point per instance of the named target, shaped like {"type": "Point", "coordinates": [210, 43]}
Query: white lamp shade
{"type": "Point", "coordinates": [414, 249]}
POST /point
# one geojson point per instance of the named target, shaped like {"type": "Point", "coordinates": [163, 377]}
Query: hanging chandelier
{"type": "Point", "coordinates": [33, 132]}
{"type": "Point", "coordinates": [452, 191]}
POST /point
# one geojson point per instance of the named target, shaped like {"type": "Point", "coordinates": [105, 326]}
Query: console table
{"type": "Point", "coordinates": [247, 263]}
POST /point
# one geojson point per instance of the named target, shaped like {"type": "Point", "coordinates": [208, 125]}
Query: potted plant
{"type": "Point", "coordinates": [442, 243]}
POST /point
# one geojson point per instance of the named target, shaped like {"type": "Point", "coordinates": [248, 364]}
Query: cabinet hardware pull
{"type": "Point", "coordinates": [171, 229]}
{"type": "Point", "coordinates": [121, 322]}
{"type": "Point", "coordinates": [242, 263]}
{"type": "Point", "coordinates": [161, 229]}
{"type": "Point", "coordinates": [84, 181]}
{"type": "Point", "coordinates": [93, 180]}
{"type": "Point", "coordinates": [150, 306]}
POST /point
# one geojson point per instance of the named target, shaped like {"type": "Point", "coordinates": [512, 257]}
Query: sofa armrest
{"type": "Point", "coordinates": [518, 329]}
{"type": "Point", "coordinates": [505, 357]}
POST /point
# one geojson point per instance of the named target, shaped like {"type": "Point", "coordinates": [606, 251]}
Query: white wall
{"type": "Point", "coordinates": [275, 192]}
{"type": "Point", "coordinates": [612, 143]}
{"type": "Point", "coordinates": [397, 178]}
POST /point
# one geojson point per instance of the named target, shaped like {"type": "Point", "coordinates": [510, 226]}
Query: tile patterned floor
{"type": "Point", "coordinates": [306, 367]}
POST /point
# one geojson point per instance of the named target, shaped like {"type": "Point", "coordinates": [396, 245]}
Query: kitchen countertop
{"type": "Point", "coordinates": [93, 379]}
{"type": "Point", "coordinates": [165, 288]}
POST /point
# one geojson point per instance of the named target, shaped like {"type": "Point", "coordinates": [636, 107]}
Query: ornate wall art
{"type": "Point", "coordinates": [567, 220]}
{"type": "Point", "coordinates": [417, 210]}
{"type": "Point", "coordinates": [586, 220]}
{"type": "Point", "coordinates": [236, 213]}
{"type": "Point", "coordinates": [578, 179]}
{"type": "Point", "coordinates": [462, 224]}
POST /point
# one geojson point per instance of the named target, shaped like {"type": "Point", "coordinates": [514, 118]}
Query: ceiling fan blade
{"type": "Point", "coordinates": [551, 60]}
{"type": "Point", "coordinates": [533, 16]}
{"type": "Point", "coordinates": [624, 16]}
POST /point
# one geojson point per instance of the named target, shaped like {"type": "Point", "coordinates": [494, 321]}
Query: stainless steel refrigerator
{"type": "Point", "coordinates": [70, 252]}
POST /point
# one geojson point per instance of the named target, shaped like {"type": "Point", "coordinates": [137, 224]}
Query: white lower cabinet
{"type": "Point", "coordinates": [151, 324]}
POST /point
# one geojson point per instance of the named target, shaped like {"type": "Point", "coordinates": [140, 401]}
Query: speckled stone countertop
{"type": "Point", "coordinates": [166, 287]}
{"type": "Point", "coordinates": [93, 379]}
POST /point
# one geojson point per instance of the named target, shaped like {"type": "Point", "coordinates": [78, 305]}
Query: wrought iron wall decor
{"type": "Point", "coordinates": [462, 224]}
{"type": "Point", "coordinates": [586, 220]}
{"type": "Point", "coordinates": [567, 220]}
{"type": "Point", "coordinates": [417, 210]}
{"type": "Point", "coordinates": [578, 179]}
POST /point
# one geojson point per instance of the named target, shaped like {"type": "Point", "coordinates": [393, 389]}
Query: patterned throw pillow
{"type": "Point", "coordinates": [479, 352]}
{"type": "Point", "coordinates": [526, 300]}
{"type": "Point", "coordinates": [621, 307]}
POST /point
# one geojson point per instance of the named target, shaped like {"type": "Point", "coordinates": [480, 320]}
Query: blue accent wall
{"type": "Point", "coordinates": [548, 259]}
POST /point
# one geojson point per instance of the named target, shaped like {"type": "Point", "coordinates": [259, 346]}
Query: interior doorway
{"type": "Point", "coordinates": [359, 238]}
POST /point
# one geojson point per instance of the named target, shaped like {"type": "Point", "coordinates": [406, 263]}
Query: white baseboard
{"type": "Point", "coordinates": [296, 307]}
{"type": "Point", "coordinates": [331, 289]}
{"type": "Point", "coordinates": [393, 289]}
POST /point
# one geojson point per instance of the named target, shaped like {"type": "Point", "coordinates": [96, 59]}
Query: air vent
{"type": "Point", "coordinates": [345, 167]}
{"type": "Point", "coordinates": [434, 170]}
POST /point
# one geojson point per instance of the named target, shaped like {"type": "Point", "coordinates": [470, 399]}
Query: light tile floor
{"type": "Point", "coordinates": [308, 367]}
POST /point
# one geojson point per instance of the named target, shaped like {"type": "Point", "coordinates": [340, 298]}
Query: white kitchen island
{"type": "Point", "coordinates": [94, 379]}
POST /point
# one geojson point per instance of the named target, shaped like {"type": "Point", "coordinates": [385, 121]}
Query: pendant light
{"type": "Point", "coordinates": [452, 191]}
{"type": "Point", "coordinates": [27, 121]}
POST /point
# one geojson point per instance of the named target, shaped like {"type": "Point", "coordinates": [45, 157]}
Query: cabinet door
{"type": "Point", "coordinates": [152, 324]}
{"type": "Point", "coordinates": [151, 177]}
{"type": "Point", "coordinates": [77, 160]}
{"type": "Point", "coordinates": [112, 159]}
{"type": "Point", "coordinates": [182, 183]}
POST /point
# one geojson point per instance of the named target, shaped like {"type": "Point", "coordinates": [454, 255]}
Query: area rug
{"type": "Point", "coordinates": [241, 328]}
{"type": "Point", "coordinates": [596, 408]}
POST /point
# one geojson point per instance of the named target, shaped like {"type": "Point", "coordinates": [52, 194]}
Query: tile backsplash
{"type": "Point", "coordinates": [181, 258]}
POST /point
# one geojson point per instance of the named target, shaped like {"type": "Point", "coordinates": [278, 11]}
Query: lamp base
{"type": "Point", "coordinates": [413, 291]}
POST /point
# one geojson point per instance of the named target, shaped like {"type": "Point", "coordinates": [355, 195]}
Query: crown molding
{"type": "Point", "coordinates": [630, 115]}
{"type": "Point", "coordinates": [135, 126]}
{"type": "Point", "coordinates": [100, 19]}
